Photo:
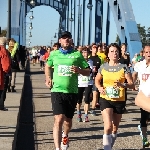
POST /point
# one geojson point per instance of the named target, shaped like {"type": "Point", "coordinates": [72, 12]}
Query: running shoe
{"type": "Point", "coordinates": [65, 143]}
{"type": "Point", "coordinates": [145, 142]}
{"type": "Point", "coordinates": [79, 119]}
{"type": "Point", "coordinates": [86, 119]}
{"type": "Point", "coordinates": [93, 113]}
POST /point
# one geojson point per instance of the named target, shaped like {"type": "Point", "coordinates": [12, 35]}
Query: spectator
{"type": "Point", "coordinates": [4, 69]}
{"type": "Point", "coordinates": [13, 49]}
{"type": "Point", "coordinates": [140, 56]}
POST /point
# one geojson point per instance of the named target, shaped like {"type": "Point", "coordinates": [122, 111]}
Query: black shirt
{"type": "Point", "coordinates": [96, 62]}
{"type": "Point", "coordinates": [125, 61]}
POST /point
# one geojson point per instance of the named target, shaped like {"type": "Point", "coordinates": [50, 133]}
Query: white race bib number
{"type": "Point", "coordinates": [83, 81]}
{"type": "Point", "coordinates": [112, 92]}
{"type": "Point", "coordinates": [64, 70]}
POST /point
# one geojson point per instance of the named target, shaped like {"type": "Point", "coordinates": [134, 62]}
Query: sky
{"type": "Point", "coordinates": [46, 20]}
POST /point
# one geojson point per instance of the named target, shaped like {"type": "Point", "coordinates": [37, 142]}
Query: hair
{"type": "Point", "coordinates": [147, 45]}
{"type": "Point", "coordinates": [56, 44]}
{"type": "Point", "coordinates": [112, 45]}
{"type": "Point", "coordinates": [99, 45]}
{"type": "Point", "coordinates": [93, 44]}
{"type": "Point", "coordinates": [141, 51]}
{"type": "Point", "coordinates": [124, 44]}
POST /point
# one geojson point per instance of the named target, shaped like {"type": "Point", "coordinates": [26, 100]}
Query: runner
{"type": "Point", "coordinates": [66, 62]}
{"type": "Point", "coordinates": [85, 83]}
{"type": "Point", "coordinates": [96, 65]}
{"type": "Point", "coordinates": [112, 93]}
{"type": "Point", "coordinates": [142, 71]}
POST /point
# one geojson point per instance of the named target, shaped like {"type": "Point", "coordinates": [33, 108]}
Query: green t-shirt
{"type": "Point", "coordinates": [63, 79]}
{"type": "Point", "coordinates": [138, 58]}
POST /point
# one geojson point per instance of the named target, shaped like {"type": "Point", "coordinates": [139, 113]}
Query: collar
{"type": "Point", "coordinates": [65, 51]}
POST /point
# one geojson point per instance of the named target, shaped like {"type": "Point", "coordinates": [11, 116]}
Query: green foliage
{"type": "Point", "coordinates": [117, 39]}
{"type": "Point", "coordinates": [144, 34]}
{"type": "Point", "coordinates": [3, 33]}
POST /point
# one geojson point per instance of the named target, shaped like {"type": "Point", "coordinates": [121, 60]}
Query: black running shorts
{"type": "Point", "coordinates": [118, 107]}
{"type": "Point", "coordinates": [64, 103]}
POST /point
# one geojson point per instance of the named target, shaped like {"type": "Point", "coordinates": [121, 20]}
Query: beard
{"type": "Point", "coordinates": [66, 47]}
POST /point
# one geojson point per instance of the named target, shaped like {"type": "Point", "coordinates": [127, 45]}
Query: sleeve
{"type": "Point", "coordinates": [100, 69]}
{"type": "Point", "coordinates": [5, 60]}
{"type": "Point", "coordinates": [90, 63]}
{"type": "Point", "coordinates": [82, 63]}
{"type": "Point", "coordinates": [126, 69]}
{"type": "Point", "coordinates": [50, 60]}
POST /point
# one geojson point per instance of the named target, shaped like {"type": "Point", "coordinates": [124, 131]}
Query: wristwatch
{"type": "Point", "coordinates": [124, 85]}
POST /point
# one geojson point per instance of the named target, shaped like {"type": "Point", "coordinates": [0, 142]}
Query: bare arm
{"type": "Point", "coordinates": [134, 76]}
{"type": "Point", "coordinates": [130, 83]}
{"type": "Point", "coordinates": [47, 71]}
{"type": "Point", "coordinates": [85, 72]}
{"type": "Point", "coordinates": [98, 80]}
{"type": "Point", "coordinates": [142, 101]}
{"type": "Point", "coordinates": [48, 76]}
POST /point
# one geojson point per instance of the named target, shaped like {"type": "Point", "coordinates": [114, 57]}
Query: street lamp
{"type": "Point", "coordinates": [31, 26]}
{"type": "Point", "coordinates": [31, 17]}
{"type": "Point", "coordinates": [32, 2]}
{"type": "Point", "coordinates": [30, 35]}
{"type": "Point", "coordinates": [55, 35]}
{"type": "Point", "coordinates": [89, 6]}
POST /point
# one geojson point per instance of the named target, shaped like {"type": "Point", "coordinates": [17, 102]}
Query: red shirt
{"type": "Point", "coordinates": [45, 57]}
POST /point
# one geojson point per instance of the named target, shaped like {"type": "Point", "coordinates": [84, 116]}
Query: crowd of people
{"type": "Point", "coordinates": [98, 73]}
{"type": "Point", "coordinates": [102, 74]}
{"type": "Point", "coordinates": [12, 60]}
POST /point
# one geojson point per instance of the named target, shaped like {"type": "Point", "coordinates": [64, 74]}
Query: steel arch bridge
{"type": "Point", "coordinates": [121, 10]}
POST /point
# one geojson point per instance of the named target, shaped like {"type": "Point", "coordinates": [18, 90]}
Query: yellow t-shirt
{"type": "Point", "coordinates": [102, 56]}
{"type": "Point", "coordinates": [110, 75]}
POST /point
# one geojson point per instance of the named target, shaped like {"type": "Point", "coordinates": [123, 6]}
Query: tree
{"type": "Point", "coordinates": [3, 33]}
{"type": "Point", "coordinates": [117, 39]}
{"type": "Point", "coordinates": [142, 32]}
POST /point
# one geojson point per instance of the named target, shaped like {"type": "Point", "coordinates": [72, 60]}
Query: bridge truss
{"type": "Point", "coordinates": [121, 10]}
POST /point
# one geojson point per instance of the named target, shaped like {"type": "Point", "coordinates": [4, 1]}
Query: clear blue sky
{"type": "Point", "coordinates": [46, 20]}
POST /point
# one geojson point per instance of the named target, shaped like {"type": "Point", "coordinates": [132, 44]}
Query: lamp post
{"type": "Point", "coordinates": [71, 20]}
{"type": "Point", "coordinates": [9, 20]}
{"type": "Point", "coordinates": [89, 6]}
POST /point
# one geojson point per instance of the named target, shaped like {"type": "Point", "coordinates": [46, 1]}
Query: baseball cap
{"type": "Point", "coordinates": [66, 33]}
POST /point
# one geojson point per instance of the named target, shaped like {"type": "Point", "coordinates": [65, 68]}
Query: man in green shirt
{"type": "Point", "coordinates": [67, 63]}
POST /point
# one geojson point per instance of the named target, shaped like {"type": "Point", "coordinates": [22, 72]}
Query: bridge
{"type": "Point", "coordinates": [121, 10]}
{"type": "Point", "coordinates": [28, 124]}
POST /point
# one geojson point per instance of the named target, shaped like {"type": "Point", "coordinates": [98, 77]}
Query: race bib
{"type": "Point", "coordinates": [64, 70]}
{"type": "Point", "coordinates": [111, 92]}
{"type": "Point", "coordinates": [145, 77]}
{"type": "Point", "coordinates": [83, 81]}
